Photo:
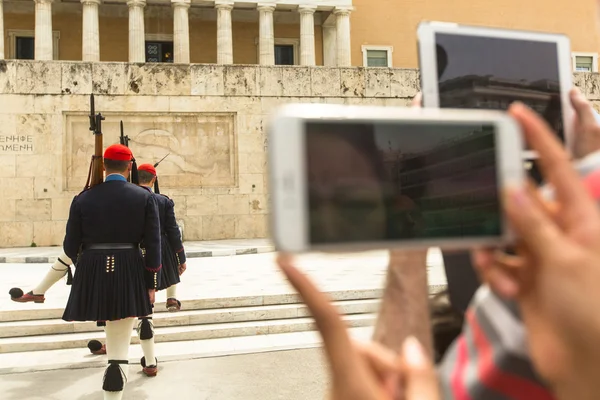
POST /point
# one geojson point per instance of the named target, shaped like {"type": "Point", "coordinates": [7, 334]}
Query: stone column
{"type": "Point", "coordinates": [181, 31]}
{"type": "Point", "coordinates": [91, 32]}
{"type": "Point", "coordinates": [224, 33]}
{"type": "Point", "coordinates": [137, 36]}
{"type": "Point", "coordinates": [307, 35]}
{"type": "Point", "coordinates": [1, 30]}
{"type": "Point", "coordinates": [343, 36]}
{"type": "Point", "coordinates": [43, 30]}
{"type": "Point", "coordinates": [266, 40]}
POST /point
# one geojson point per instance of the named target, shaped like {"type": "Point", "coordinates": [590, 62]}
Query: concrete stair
{"type": "Point", "coordinates": [42, 329]}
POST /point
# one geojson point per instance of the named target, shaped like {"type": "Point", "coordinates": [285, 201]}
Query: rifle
{"type": "Point", "coordinates": [124, 140]}
{"type": "Point", "coordinates": [156, 189]}
{"type": "Point", "coordinates": [96, 172]}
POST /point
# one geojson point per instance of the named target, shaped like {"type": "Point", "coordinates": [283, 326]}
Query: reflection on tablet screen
{"type": "Point", "coordinates": [491, 73]}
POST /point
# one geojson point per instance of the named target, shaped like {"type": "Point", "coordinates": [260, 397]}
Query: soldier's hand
{"type": "Point", "coordinates": [152, 295]}
{"type": "Point", "coordinates": [182, 268]}
{"type": "Point", "coordinates": [363, 372]}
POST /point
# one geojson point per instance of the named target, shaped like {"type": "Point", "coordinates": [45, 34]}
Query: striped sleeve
{"type": "Point", "coordinates": [489, 360]}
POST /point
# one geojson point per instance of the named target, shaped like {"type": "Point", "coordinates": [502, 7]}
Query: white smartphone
{"type": "Point", "coordinates": [488, 68]}
{"type": "Point", "coordinates": [354, 178]}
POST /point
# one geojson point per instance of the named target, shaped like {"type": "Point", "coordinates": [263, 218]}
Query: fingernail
{"type": "Point", "coordinates": [413, 352]}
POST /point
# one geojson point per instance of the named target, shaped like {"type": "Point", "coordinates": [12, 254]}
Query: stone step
{"type": "Point", "coordinates": [186, 318]}
{"type": "Point", "coordinates": [178, 333]}
{"type": "Point", "coordinates": [34, 361]}
{"type": "Point", "coordinates": [32, 312]}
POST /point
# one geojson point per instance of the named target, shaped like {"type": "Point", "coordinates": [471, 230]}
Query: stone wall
{"type": "Point", "coordinates": [209, 118]}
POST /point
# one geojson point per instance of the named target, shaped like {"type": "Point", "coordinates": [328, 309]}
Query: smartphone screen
{"type": "Point", "coordinates": [479, 72]}
{"type": "Point", "coordinates": [377, 182]}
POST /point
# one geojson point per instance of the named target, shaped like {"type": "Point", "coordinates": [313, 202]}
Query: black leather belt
{"type": "Point", "coordinates": [111, 246]}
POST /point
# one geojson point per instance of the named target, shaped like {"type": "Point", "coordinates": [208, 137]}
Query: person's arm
{"type": "Point", "coordinates": [151, 240]}
{"type": "Point", "coordinates": [404, 307]}
{"type": "Point", "coordinates": [173, 232]}
{"type": "Point", "coordinates": [73, 239]}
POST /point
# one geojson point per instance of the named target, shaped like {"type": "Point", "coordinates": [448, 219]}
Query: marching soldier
{"type": "Point", "coordinates": [173, 261]}
{"type": "Point", "coordinates": [173, 253]}
{"type": "Point", "coordinates": [113, 282]}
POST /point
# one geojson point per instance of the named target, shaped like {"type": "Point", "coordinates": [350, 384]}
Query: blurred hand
{"type": "Point", "coordinates": [182, 268]}
{"type": "Point", "coordinates": [554, 277]}
{"type": "Point", "coordinates": [586, 130]}
{"type": "Point", "coordinates": [152, 295]}
{"type": "Point", "coordinates": [416, 101]}
{"type": "Point", "coordinates": [363, 371]}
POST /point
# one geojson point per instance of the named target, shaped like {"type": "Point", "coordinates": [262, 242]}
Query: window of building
{"type": "Point", "coordinates": [284, 54]}
{"type": "Point", "coordinates": [25, 48]}
{"type": "Point", "coordinates": [159, 52]}
{"type": "Point", "coordinates": [377, 56]}
{"type": "Point", "coordinates": [585, 62]}
{"type": "Point", "coordinates": [21, 44]}
{"type": "Point", "coordinates": [286, 51]}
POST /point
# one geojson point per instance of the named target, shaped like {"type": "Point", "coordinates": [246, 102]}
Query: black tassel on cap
{"type": "Point", "coordinates": [145, 330]}
{"type": "Point", "coordinates": [134, 173]}
{"type": "Point", "coordinates": [114, 377]}
{"type": "Point", "coordinates": [156, 190]}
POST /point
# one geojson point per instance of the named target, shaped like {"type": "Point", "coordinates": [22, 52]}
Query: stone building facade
{"type": "Point", "coordinates": [300, 32]}
{"type": "Point", "coordinates": [195, 79]}
{"type": "Point", "coordinates": [210, 119]}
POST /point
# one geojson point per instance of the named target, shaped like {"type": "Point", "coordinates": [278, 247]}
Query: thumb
{"type": "Point", "coordinates": [583, 108]}
{"type": "Point", "coordinates": [419, 375]}
{"type": "Point", "coordinates": [416, 101]}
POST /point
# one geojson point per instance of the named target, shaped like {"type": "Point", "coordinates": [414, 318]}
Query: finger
{"type": "Point", "coordinates": [417, 100]}
{"type": "Point", "coordinates": [532, 226]}
{"type": "Point", "coordinates": [555, 166]}
{"type": "Point", "coordinates": [382, 360]}
{"type": "Point", "coordinates": [420, 377]}
{"type": "Point", "coordinates": [584, 111]}
{"type": "Point", "coordinates": [509, 261]}
{"type": "Point", "coordinates": [344, 361]}
{"type": "Point", "coordinates": [503, 282]}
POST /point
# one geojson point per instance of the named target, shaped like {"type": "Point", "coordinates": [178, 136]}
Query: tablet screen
{"type": "Point", "coordinates": [491, 73]}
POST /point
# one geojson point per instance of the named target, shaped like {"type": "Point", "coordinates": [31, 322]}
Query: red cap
{"type": "Point", "coordinates": [147, 168]}
{"type": "Point", "coordinates": [118, 152]}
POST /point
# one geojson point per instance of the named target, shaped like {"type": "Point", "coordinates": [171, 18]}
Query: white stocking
{"type": "Point", "coordinates": [56, 273]}
{"type": "Point", "coordinates": [172, 292]}
{"type": "Point", "coordinates": [148, 344]}
{"type": "Point", "coordinates": [118, 337]}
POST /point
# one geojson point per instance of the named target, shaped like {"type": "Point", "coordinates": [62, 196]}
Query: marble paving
{"type": "Point", "coordinates": [194, 249]}
{"type": "Point", "coordinates": [229, 278]}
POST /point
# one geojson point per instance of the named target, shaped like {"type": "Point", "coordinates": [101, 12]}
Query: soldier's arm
{"type": "Point", "coordinates": [173, 232]}
{"type": "Point", "coordinates": [152, 244]}
{"type": "Point", "coordinates": [73, 239]}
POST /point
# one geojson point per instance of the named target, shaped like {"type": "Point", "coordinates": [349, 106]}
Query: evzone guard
{"type": "Point", "coordinates": [172, 251]}
{"type": "Point", "coordinates": [113, 282]}
{"type": "Point", "coordinates": [173, 261]}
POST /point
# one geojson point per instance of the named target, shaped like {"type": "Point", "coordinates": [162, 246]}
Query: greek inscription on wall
{"type": "Point", "coordinates": [200, 146]}
{"type": "Point", "coordinates": [16, 144]}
